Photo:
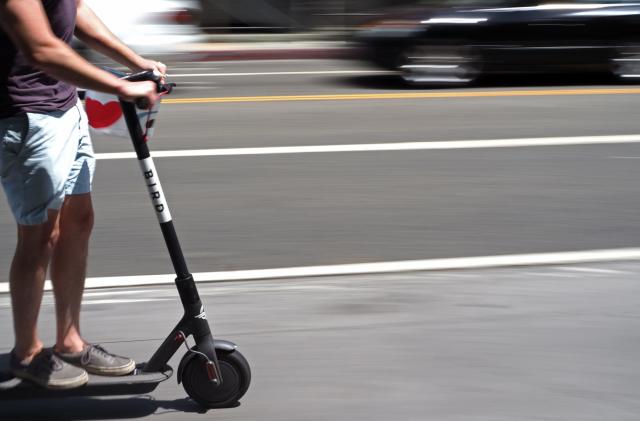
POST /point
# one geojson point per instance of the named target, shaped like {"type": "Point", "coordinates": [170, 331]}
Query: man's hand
{"type": "Point", "coordinates": [145, 91]}
{"type": "Point", "coordinates": [156, 66]}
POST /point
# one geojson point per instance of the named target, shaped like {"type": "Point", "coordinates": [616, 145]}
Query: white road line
{"type": "Point", "coordinates": [106, 301]}
{"type": "Point", "coordinates": [591, 270]}
{"type": "Point", "coordinates": [400, 146]}
{"type": "Point", "coordinates": [192, 68]}
{"type": "Point", "coordinates": [124, 301]}
{"type": "Point", "coordinates": [315, 72]}
{"type": "Point", "coordinates": [540, 275]}
{"type": "Point", "coordinates": [456, 263]}
{"type": "Point", "coordinates": [124, 292]}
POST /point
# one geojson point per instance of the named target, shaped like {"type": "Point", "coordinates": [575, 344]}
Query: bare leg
{"type": "Point", "coordinates": [69, 267]}
{"type": "Point", "coordinates": [26, 279]}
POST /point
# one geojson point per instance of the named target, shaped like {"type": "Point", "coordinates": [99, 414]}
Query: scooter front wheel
{"type": "Point", "coordinates": [236, 377]}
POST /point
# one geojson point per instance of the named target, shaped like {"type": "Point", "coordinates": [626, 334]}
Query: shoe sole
{"type": "Point", "coordinates": [55, 385]}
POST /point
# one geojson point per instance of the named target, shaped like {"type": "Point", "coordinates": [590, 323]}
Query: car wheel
{"type": "Point", "coordinates": [439, 65]}
{"type": "Point", "coordinates": [625, 64]}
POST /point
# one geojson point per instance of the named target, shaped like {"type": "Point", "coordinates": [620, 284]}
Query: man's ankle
{"type": "Point", "coordinates": [26, 354]}
{"type": "Point", "coordinates": [69, 347]}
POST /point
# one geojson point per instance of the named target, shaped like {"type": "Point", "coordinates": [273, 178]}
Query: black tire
{"type": "Point", "coordinates": [236, 377]}
{"type": "Point", "coordinates": [447, 64]}
{"type": "Point", "coordinates": [625, 64]}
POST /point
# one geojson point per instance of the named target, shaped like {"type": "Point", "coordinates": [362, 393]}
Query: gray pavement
{"type": "Point", "coordinates": [550, 343]}
{"type": "Point", "coordinates": [281, 211]}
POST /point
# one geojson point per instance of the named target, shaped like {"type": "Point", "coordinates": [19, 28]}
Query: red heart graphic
{"type": "Point", "coordinates": [102, 115]}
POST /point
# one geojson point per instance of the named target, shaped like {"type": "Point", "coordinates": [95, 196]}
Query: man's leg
{"type": "Point", "coordinates": [69, 264]}
{"type": "Point", "coordinates": [36, 157]}
{"type": "Point", "coordinates": [68, 271]}
{"type": "Point", "coordinates": [26, 279]}
{"type": "Point", "coordinates": [29, 360]}
{"type": "Point", "coordinates": [69, 268]}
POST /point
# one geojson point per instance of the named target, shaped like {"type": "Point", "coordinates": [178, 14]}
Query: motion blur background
{"type": "Point", "coordinates": [288, 15]}
{"type": "Point", "coordinates": [426, 42]}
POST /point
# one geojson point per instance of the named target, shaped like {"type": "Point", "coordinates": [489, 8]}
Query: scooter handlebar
{"type": "Point", "coordinates": [142, 76]}
{"type": "Point", "coordinates": [152, 76]}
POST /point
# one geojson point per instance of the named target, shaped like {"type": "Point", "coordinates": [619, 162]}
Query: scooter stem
{"type": "Point", "coordinates": [194, 322]}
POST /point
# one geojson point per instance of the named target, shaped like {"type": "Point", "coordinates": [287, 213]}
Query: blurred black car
{"type": "Point", "coordinates": [457, 41]}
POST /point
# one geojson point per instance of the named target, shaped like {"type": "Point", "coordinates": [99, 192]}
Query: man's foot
{"type": "Point", "coordinates": [96, 360]}
{"type": "Point", "coordinates": [49, 371]}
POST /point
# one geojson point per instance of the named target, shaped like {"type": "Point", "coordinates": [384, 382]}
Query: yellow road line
{"type": "Point", "coordinates": [407, 95]}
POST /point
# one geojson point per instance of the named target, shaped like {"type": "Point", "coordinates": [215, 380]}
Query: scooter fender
{"type": "Point", "coordinates": [222, 347]}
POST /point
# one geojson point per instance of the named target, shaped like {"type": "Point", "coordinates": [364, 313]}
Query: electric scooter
{"type": "Point", "coordinates": [213, 372]}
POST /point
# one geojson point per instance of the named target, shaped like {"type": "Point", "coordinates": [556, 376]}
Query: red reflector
{"type": "Point", "coordinates": [211, 371]}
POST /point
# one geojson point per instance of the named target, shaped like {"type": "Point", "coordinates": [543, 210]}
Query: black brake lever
{"type": "Point", "coordinates": [166, 88]}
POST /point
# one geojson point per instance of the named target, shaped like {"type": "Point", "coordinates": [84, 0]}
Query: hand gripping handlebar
{"type": "Point", "coordinates": [152, 76]}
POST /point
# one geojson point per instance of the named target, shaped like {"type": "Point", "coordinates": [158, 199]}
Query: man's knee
{"type": "Point", "coordinates": [38, 239]}
{"type": "Point", "coordinates": [77, 215]}
{"type": "Point", "coordinates": [81, 222]}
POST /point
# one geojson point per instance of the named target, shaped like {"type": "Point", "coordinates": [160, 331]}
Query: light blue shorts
{"type": "Point", "coordinates": [44, 157]}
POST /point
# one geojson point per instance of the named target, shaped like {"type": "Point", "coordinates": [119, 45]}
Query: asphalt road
{"type": "Point", "coordinates": [269, 211]}
{"type": "Point", "coordinates": [525, 344]}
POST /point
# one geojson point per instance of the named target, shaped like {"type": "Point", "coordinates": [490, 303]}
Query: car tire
{"type": "Point", "coordinates": [439, 65]}
{"type": "Point", "coordinates": [625, 64]}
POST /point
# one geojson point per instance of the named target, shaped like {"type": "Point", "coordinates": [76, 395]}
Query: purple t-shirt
{"type": "Point", "coordinates": [23, 88]}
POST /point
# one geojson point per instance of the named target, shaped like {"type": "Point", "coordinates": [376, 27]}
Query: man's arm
{"type": "Point", "coordinates": [26, 22]}
{"type": "Point", "coordinates": [93, 32]}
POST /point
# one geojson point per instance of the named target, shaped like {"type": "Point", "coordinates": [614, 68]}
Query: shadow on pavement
{"type": "Point", "coordinates": [93, 408]}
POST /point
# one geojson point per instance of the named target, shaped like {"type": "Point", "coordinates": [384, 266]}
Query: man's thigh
{"type": "Point", "coordinates": [43, 158]}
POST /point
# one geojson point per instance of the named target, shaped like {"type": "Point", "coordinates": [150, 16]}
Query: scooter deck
{"type": "Point", "coordinates": [133, 384]}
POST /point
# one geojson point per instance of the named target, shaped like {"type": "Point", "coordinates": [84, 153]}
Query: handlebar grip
{"type": "Point", "coordinates": [151, 76]}
{"type": "Point", "coordinates": [145, 75]}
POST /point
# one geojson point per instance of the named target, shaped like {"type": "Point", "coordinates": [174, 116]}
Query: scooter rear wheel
{"type": "Point", "coordinates": [236, 377]}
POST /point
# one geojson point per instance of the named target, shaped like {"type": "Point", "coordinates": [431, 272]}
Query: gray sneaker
{"type": "Point", "coordinates": [96, 360]}
{"type": "Point", "coordinates": [49, 371]}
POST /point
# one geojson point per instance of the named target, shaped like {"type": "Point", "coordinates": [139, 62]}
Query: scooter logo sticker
{"type": "Point", "coordinates": [102, 115]}
{"type": "Point", "coordinates": [155, 190]}
{"type": "Point", "coordinates": [202, 314]}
